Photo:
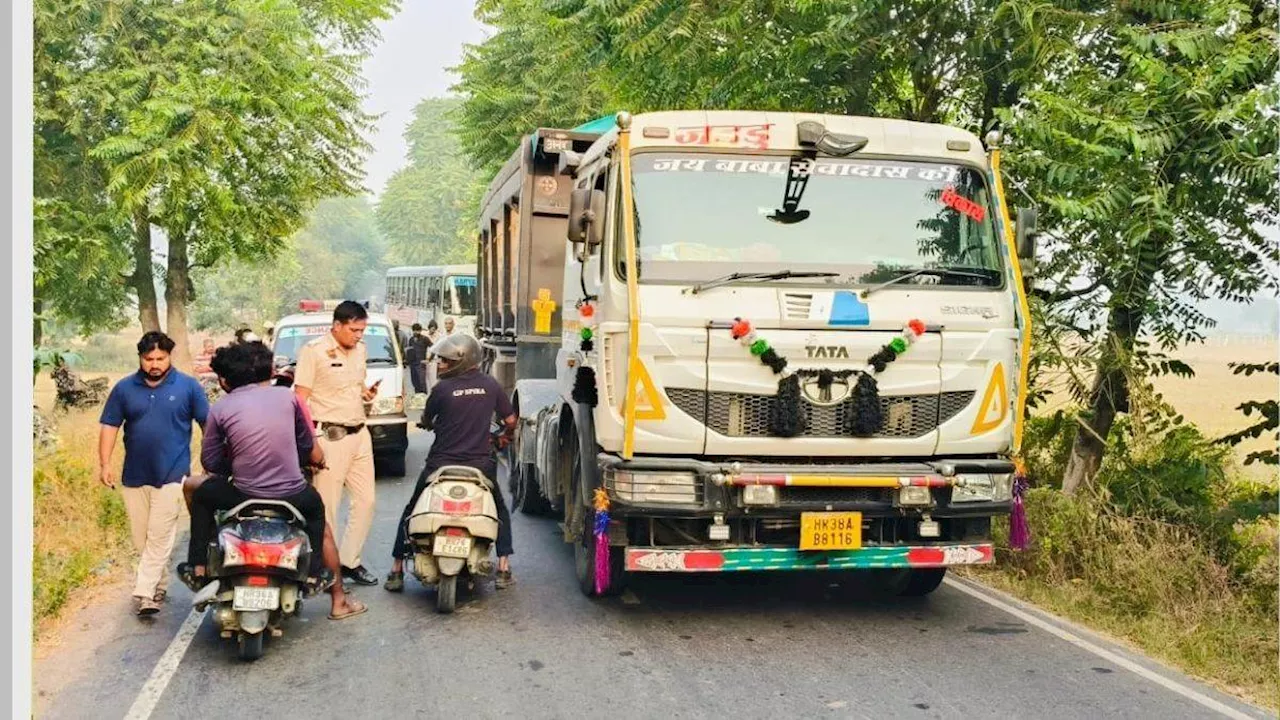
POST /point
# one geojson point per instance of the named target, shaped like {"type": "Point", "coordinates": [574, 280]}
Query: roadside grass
{"type": "Point", "coordinates": [1159, 586]}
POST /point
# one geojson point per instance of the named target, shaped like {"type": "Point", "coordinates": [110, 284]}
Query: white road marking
{"type": "Point", "coordinates": [165, 668]}
{"type": "Point", "coordinates": [1101, 652]}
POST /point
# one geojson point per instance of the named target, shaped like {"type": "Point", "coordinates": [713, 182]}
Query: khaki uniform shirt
{"type": "Point", "coordinates": [336, 379]}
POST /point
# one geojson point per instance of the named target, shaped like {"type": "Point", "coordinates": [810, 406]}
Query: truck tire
{"type": "Point", "coordinates": [922, 582]}
{"type": "Point", "coordinates": [527, 493]}
{"type": "Point", "coordinates": [584, 548]}
{"type": "Point", "coordinates": [584, 560]}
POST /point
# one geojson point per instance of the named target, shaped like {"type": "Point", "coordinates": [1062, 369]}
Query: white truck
{"type": "Point", "coordinates": [774, 341]}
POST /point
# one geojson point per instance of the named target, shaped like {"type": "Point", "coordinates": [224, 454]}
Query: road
{"type": "Point", "coordinates": [674, 647]}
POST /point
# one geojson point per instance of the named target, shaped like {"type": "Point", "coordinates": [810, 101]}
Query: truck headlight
{"type": "Point", "coordinates": [388, 406]}
{"type": "Point", "coordinates": [675, 488]}
{"type": "Point", "coordinates": [983, 488]}
{"type": "Point", "coordinates": [912, 496]}
{"type": "Point", "coordinates": [760, 495]}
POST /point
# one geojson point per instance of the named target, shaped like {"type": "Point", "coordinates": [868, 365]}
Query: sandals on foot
{"type": "Point", "coordinates": [357, 608]}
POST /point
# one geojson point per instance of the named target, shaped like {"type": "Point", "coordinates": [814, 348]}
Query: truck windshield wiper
{"type": "Point", "coordinates": [735, 277]}
{"type": "Point", "coordinates": [979, 273]}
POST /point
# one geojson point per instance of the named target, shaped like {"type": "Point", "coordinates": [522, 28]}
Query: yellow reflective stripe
{"type": "Point", "coordinates": [838, 481]}
{"type": "Point", "coordinates": [633, 296]}
{"type": "Point", "coordinates": [1023, 305]}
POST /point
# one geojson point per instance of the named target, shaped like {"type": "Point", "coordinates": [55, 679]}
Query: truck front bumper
{"type": "Point", "coordinates": [717, 488]}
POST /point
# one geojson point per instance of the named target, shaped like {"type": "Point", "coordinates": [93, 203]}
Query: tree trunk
{"type": "Point", "coordinates": [37, 324]}
{"type": "Point", "coordinates": [177, 291]}
{"type": "Point", "coordinates": [143, 279]}
{"type": "Point", "coordinates": [1109, 396]}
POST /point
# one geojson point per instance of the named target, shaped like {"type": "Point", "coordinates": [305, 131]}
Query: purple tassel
{"type": "Point", "coordinates": [602, 552]}
{"type": "Point", "coordinates": [1019, 533]}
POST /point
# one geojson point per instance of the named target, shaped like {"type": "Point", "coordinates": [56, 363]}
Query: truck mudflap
{"type": "Point", "coordinates": [736, 559]}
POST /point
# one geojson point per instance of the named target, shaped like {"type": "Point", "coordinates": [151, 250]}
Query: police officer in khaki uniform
{"type": "Point", "coordinates": [330, 378]}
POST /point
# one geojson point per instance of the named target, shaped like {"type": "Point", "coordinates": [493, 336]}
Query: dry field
{"type": "Point", "coordinates": [1209, 399]}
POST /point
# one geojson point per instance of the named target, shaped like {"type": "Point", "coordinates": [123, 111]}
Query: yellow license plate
{"type": "Point", "coordinates": [830, 531]}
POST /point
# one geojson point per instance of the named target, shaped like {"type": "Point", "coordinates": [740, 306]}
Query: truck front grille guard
{"type": "Point", "coordinates": [747, 415]}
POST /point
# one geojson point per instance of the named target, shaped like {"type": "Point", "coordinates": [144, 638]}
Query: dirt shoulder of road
{"type": "Point", "coordinates": [66, 645]}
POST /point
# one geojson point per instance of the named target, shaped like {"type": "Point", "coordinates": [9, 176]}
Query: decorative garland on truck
{"type": "Point", "coordinates": [584, 381]}
{"type": "Point", "coordinates": [786, 418]}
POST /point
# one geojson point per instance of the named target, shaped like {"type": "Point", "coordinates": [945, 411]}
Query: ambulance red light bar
{"type": "Point", "coordinates": [310, 306]}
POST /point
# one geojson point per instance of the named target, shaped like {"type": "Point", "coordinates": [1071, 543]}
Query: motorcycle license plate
{"type": "Point", "coordinates": [255, 598]}
{"type": "Point", "coordinates": [456, 546]}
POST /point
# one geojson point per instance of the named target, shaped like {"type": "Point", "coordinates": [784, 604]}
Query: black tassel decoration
{"type": "Point", "coordinates": [586, 346]}
{"type": "Point", "coordinates": [866, 418]}
{"type": "Point", "coordinates": [882, 358]}
{"type": "Point", "coordinates": [584, 387]}
{"type": "Point", "coordinates": [775, 361]}
{"type": "Point", "coordinates": [786, 417]}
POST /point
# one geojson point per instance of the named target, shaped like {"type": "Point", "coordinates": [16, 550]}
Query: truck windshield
{"type": "Point", "coordinates": [377, 339]}
{"type": "Point", "coordinates": [464, 289]}
{"type": "Point", "coordinates": [701, 216]}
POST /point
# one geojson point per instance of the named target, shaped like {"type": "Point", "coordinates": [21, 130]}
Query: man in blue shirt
{"type": "Point", "coordinates": [156, 406]}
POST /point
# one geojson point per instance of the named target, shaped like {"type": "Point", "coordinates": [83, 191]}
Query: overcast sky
{"type": "Point", "coordinates": [419, 45]}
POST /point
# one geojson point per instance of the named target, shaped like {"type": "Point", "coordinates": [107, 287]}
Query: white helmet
{"type": "Point", "coordinates": [461, 351]}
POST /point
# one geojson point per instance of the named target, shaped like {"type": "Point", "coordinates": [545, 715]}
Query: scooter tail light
{"type": "Point", "coordinates": [238, 551]}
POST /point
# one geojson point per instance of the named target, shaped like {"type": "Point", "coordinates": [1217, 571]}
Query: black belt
{"type": "Point", "coordinates": [351, 429]}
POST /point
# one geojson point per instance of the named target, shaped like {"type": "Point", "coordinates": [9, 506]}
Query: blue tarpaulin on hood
{"type": "Point", "coordinates": [599, 125]}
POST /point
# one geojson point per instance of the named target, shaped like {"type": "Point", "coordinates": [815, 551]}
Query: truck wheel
{"type": "Point", "coordinates": [446, 593]}
{"type": "Point", "coordinates": [392, 465]}
{"type": "Point", "coordinates": [584, 560]}
{"type": "Point", "coordinates": [251, 645]}
{"type": "Point", "coordinates": [529, 492]}
{"type": "Point", "coordinates": [922, 582]}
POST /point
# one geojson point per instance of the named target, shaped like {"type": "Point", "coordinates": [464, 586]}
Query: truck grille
{"type": "Point", "coordinates": [745, 415]}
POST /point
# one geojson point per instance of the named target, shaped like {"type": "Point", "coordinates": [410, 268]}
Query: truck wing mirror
{"type": "Point", "coordinates": [586, 217]}
{"type": "Point", "coordinates": [1025, 231]}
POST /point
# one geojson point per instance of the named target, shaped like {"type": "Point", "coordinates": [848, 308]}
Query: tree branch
{"type": "Point", "coordinates": [1057, 297]}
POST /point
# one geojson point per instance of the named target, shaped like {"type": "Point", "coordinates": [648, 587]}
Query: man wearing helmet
{"type": "Point", "coordinates": [460, 410]}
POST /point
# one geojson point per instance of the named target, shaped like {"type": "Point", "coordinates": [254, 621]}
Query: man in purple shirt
{"type": "Point", "coordinates": [256, 441]}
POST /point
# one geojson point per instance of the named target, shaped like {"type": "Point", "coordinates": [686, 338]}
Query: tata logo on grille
{"type": "Point", "coordinates": [827, 351]}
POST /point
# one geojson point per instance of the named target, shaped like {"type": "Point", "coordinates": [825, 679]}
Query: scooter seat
{"type": "Point", "coordinates": [277, 509]}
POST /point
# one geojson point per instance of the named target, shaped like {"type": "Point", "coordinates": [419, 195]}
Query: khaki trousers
{"type": "Point", "coordinates": [350, 465]}
{"type": "Point", "coordinates": [153, 520]}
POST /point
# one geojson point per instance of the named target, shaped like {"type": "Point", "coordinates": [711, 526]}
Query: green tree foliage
{"type": "Point", "coordinates": [220, 122]}
{"type": "Point", "coordinates": [427, 211]}
{"type": "Point", "coordinates": [339, 254]}
{"type": "Point", "coordinates": [1153, 153]}
{"type": "Point", "coordinates": [1268, 412]}
{"type": "Point", "coordinates": [559, 63]}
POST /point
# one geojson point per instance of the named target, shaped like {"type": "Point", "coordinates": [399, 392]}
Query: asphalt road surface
{"type": "Point", "coordinates": [773, 646]}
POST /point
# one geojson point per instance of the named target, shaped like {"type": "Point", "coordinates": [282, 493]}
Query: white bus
{"type": "Point", "coordinates": [432, 292]}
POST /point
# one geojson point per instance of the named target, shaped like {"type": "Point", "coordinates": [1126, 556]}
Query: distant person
{"type": "Point", "coordinates": [448, 325]}
{"type": "Point", "coordinates": [203, 364]}
{"type": "Point", "coordinates": [270, 330]}
{"type": "Point", "coordinates": [433, 337]}
{"type": "Point", "coordinates": [156, 406]}
{"type": "Point", "coordinates": [416, 357]}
